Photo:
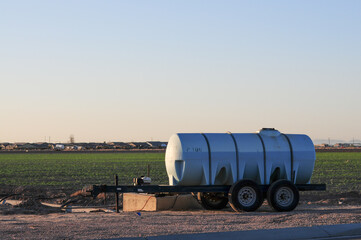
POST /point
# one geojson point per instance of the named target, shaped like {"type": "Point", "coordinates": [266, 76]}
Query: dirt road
{"type": "Point", "coordinates": [130, 224]}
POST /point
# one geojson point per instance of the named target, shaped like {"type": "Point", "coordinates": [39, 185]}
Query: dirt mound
{"type": "Point", "coordinates": [32, 204]}
{"type": "Point", "coordinates": [32, 197]}
{"type": "Point", "coordinates": [77, 193]}
{"type": "Point", "coordinates": [31, 192]}
{"type": "Point", "coordinates": [80, 199]}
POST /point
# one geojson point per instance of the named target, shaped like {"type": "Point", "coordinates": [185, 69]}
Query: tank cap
{"type": "Point", "coordinates": [269, 129]}
{"type": "Point", "coordinates": [270, 132]}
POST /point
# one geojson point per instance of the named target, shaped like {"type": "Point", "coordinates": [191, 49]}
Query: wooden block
{"type": "Point", "coordinates": [150, 202]}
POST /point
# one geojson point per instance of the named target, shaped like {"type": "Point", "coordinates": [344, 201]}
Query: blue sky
{"type": "Point", "coordinates": [140, 70]}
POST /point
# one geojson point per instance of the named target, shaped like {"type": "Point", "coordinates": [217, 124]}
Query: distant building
{"type": "Point", "coordinates": [121, 145]}
{"type": "Point", "coordinates": [139, 145]}
{"type": "Point", "coordinates": [343, 145]}
{"type": "Point", "coordinates": [77, 148]}
{"type": "Point", "coordinates": [104, 146]}
{"type": "Point", "coordinates": [43, 146]}
{"type": "Point", "coordinates": [323, 145]}
{"type": "Point", "coordinates": [88, 146]}
{"type": "Point", "coordinates": [157, 144]}
{"type": "Point", "coordinates": [59, 147]}
{"type": "Point", "coordinates": [26, 146]}
{"type": "Point", "coordinates": [10, 146]}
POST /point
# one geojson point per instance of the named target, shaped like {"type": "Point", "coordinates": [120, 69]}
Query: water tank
{"type": "Point", "coordinates": [224, 158]}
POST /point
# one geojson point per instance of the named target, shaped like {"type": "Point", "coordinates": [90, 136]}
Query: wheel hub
{"type": "Point", "coordinates": [247, 196]}
{"type": "Point", "coordinates": [284, 196]}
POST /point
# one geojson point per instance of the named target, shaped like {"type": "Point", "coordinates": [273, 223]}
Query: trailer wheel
{"type": "Point", "coordinates": [212, 201]}
{"type": "Point", "coordinates": [245, 195]}
{"type": "Point", "coordinates": [283, 196]}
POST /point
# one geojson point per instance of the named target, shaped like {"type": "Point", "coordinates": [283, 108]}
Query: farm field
{"type": "Point", "coordinates": [340, 171]}
{"type": "Point", "coordinates": [74, 170]}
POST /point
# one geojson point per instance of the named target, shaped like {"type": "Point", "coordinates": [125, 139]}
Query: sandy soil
{"type": "Point", "coordinates": [32, 220]}
{"type": "Point", "coordinates": [130, 224]}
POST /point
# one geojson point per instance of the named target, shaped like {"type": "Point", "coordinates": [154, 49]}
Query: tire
{"type": "Point", "coordinates": [212, 201]}
{"type": "Point", "coordinates": [245, 195]}
{"type": "Point", "coordinates": [283, 196]}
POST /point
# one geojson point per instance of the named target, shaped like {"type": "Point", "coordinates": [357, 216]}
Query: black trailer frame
{"type": "Point", "coordinates": [94, 190]}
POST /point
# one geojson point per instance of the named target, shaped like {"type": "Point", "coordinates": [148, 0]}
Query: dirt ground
{"type": "Point", "coordinates": [129, 224]}
{"type": "Point", "coordinates": [31, 220]}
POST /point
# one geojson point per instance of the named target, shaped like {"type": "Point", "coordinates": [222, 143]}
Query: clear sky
{"type": "Point", "coordinates": [141, 70]}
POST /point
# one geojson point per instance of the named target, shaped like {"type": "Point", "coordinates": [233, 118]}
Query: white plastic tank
{"type": "Point", "coordinates": [224, 158]}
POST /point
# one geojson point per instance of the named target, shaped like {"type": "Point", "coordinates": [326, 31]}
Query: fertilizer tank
{"type": "Point", "coordinates": [225, 158]}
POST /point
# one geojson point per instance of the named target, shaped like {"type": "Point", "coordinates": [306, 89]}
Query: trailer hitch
{"type": "Point", "coordinates": [94, 190]}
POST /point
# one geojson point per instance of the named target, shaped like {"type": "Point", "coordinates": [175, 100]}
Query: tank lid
{"type": "Point", "coordinates": [269, 129]}
{"type": "Point", "coordinates": [271, 132]}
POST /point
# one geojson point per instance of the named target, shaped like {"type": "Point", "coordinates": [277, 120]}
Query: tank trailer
{"type": "Point", "coordinates": [242, 169]}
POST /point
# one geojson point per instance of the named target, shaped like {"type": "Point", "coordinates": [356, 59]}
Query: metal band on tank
{"type": "Point", "coordinates": [237, 158]}
{"type": "Point", "coordinates": [264, 158]}
{"type": "Point", "coordinates": [209, 158]}
{"type": "Point", "coordinates": [291, 150]}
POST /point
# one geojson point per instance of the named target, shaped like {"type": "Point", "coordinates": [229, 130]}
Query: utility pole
{"type": "Point", "coordinates": [72, 138]}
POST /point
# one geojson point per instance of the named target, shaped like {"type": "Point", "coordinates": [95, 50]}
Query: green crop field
{"type": "Point", "coordinates": [74, 170]}
{"type": "Point", "coordinates": [340, 171]}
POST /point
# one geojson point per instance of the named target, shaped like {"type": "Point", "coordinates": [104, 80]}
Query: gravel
{"type": "Point", "coordinates": [130, 224]}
